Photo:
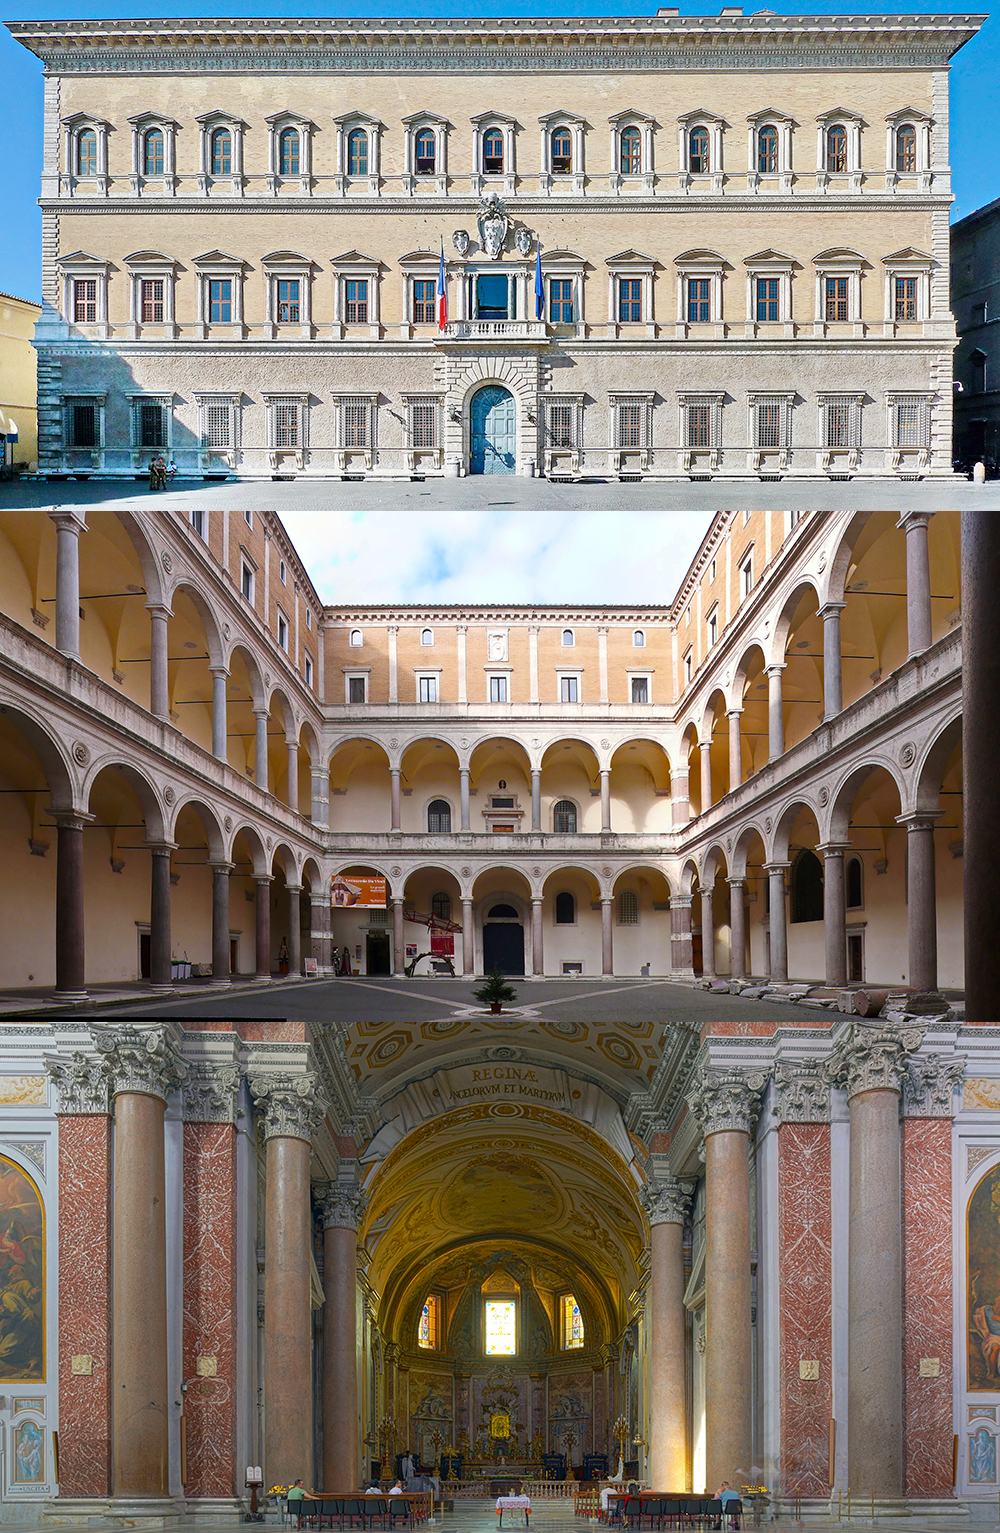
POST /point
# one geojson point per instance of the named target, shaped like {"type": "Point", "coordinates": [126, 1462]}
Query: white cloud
{"type": "Point", "coordinates": [497, 556]}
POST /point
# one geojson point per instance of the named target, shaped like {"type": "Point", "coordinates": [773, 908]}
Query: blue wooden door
{"type": "Point", "coordinates": [494, 433]}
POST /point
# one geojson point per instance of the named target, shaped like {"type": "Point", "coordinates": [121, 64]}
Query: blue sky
{"type": "Point", "coordinates": [974, 99]}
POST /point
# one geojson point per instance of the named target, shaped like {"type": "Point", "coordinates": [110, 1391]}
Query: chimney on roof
{"type": "Point", "coordinates": [731, 10]}
{"type": "Point", "coordinates": [668, 10]}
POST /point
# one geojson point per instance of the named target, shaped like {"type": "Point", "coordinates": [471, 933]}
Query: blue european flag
{"type": "Point", "coordinates": [539, 288]}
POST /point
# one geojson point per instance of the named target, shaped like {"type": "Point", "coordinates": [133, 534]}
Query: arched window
{"type": "Point", "coordinates": [426, 152]}
{"type": "Point", "coordinates": [836, 149]}
{"type": "Point", "coordinates": [855, 884]}
{"type": "Point", "coordinates": [565, 909]}
{"type": "Point", "coordinates": [807, 888]}
{"type": "Point", "coordinates": [698, 152]}
{"type": "Point", "coordinates": [288, 153]}
{"type": "Point", "coordinates": [906, 147]}
{"type": "Point", "coordinates": [503, 913]}
{"type": "Point", "coordinates": [357, 638]}
{"type": "Point", "coordinates": [427, 637]}
{"type": "Point", "coordinates": [441, 906]}
{"type": "Point", "coordinates": [357, 153]}
{"type": "Point", "coordinates": [493, 152]}
{"type": "Point", "coordinates": [86, 153]}
{"type": "Point", "coordinates": [562, 151]}
{"type": "Point", "coordinates": [222, 152]}
{"type": "Point", "coordinates": [427, 1325]}
{"type": "Point", "coordinates": [638, 639]}
{"type": "Point", "coordinates": [630, 152]}
{"type": "Point", "coordinates": [977, 364]}
{"type": "Point", "coordinates": [567, 638]}
{"type": "Point", "coordinates": [571, 1323]}
{"type": "Point", "coordinates": [767, 150]}
{"type": "Point", "coordinates": [564, 817]}
{"type": "Point", "coordinates": [152, 153]}
{"type": "Point", "coordinates": [438, 815]}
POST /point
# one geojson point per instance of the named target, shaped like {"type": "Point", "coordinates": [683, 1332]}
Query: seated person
{"type": "Point", "coordinates": [397, 1489]}
{"type": "Point", "coordinates": [374, 1489]}
{"type": "Point", "coordinates": [726, 1494]}
{"type": "Point", "coordinates": [295, 1496]}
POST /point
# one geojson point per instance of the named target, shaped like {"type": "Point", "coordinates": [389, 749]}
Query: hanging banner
{"type": "Point", "coordinates": [442, 944]}
{"type": "Point", "coordinates": [367, 891]}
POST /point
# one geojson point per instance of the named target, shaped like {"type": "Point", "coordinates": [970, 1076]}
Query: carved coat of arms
{"type": "Point", "coordinates": [493, 224]}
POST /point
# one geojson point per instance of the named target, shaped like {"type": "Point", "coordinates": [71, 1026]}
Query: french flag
{"type": "Point", "coordinates": [442, 294]}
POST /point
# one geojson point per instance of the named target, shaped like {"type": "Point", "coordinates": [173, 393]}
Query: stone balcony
{"type": "Point", "coordinates": [505, 330]}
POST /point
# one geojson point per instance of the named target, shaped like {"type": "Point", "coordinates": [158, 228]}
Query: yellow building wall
{"type": "Point", "coordinates": [18, 391]}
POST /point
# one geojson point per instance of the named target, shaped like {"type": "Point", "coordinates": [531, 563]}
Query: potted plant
{"type": "Point", "coordinates": [495, 991]}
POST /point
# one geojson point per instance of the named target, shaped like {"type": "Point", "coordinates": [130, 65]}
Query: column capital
{"type": "Point", "coordinates": [736, 883]}
{"type": "Point", "coordinates": [293, 888]}
{"type": "Point", "coordinates": [605, 771]}
{"type": "Point", "coordinates": [831, 609]}
{"type": "Point", "coordinates": [802, 1092]}
{"type": "Point", "coordinates": [920, 819]}
{"type": "Point", "coordinates": [775, 669]}
{"type": "Point", "coordinates": [914, 519]}
{"type": "Point", "coordinates": [869, 1058]}
{"type": "Point", "coordinates": [734, 713]}
{"type": "Point", "coordinates": [292, 1105]}
{"type": "Point", "coordinates": [536, 899]}
{"type": "Point", "coordinates": [776, 867]}
{"type": "Point", "coordinates": [72, 819]}
{"type": "Point", "coordinates": [392, 628]}
{"type": "Point", "coordinates": [461, 627]}
{"type": "Point", "coordinates": [262, 713]}
{"type": "Point", "coordinates": [140, 1059]}
{"type": "Point", "coordinates": [263, 878]}
{"type": "Point", "coordinates": [69, 517]}
{"type": "Point", "coordinates": [81, 1082]}
{"type": "Point", "coordinates": [666, 1200]}
{"type": "Point", "coordinates": [342, 1208]}
{"type": "Point", "coordinates": [219, 670]}
{"type": "Point", "coordinates": [160, 848]}
{"type": "Point", "coordinates": [726, 1101]}
{"type": "Point", "coordinates": [159, 609]}
{"type": "Point", "coordinates": [602, 628]}
{"type": "Point", "coordinates": [835, 848]}
{"type": "Point", "coordinates": [607, 899]}
{"type": "Point", "coordinates": [704, 745]}
{"type": "Point", "coordinates": [929, 1086]}
{"type": "Point", "coordinates": [222, 867]}
{"type": "Point", "coordinates": [681, 901]}
{"type": "Point", "coordinates": [210, 1093]}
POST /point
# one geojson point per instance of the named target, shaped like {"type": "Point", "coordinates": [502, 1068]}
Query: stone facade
{"type": "Point", "coordinates": [975, 243]}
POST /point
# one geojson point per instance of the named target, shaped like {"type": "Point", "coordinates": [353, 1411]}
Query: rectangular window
{"type": "Point", "coordinates": [628, 423]}
{"type": "Point", "coordinates": [767, 418]}
{"type": "Point", "coordinates": [493, 296]}
{"type": "Point", "coordinates": [281, 571]}
{"type": "Point", "coordinates": [498, 689]}
{"type": "Point", "coordinates": [629, 300]}
{"type": "Point", "coordinates": [427, 689]}
{"type": "Point", "coordinates": [198, 522]}
{"type": "Point", "coordinates": [150, 425]}
{"type": "Point", "coordinates": [220, 301]}
{"type": "Point", "coordinates": [561, 301]}
{"type": "Point", "coordinates": [288, 301]}
{"type": "Point", "coordinates": [746, 576]}
{"type": "Point", "coordinates": [216, 426]}
{"type": "Point", "coordinates": [85, 301]}
{"type": "Point", "coordinates": [628, 908]}
{"type": "Point", "coordinates": [246, 582]}
{"type": "Point", "coordinates": [287, 430]}
{"type": "Point", "coordinates": [910, 422]}
{"type": "Point", "coordinates": [569, 689]}
{"type": "Point", "coordinates": [713, 628]}
{"type": "Point", "coordinates": [354, 417]}
{"type": "Point", "coordinates": [699, 425]}
{"type": "Point", "coordinates": [501, 1327]}
{"type": "Point", "coordinates": [837, 431]}
{"type": "Point", "coordinates": [424, 301]}
{"type": "Point", "coordinates": [836, 293]}
{"type": "Point", "coordinates": [767, 299]}
{"type": "Point", "coordinates": [283, 631]}
{"type": "Point", "coordinates": [356, 300]}
{"type": "Point", "coordinates": [906, 297]}
{"type": "Point", "coordinates": [83, 425]}
{"type": "Point", "coordinates": [699, 299]}
{"type": "Point", "coordinates": [423, 423]}
{"type": "Point", "coordinates": [560, 425]}
{"type": "Point", "coordinates": [688, 666]}
{"type": "Point", "coordinates": [640, 689]}
{"type": "Point", "coordinates": [309, 617]}
{"type": "Point", "coordinates": [357, 686]}
{"type": "Point", "coordinates": [151, 301]}
{"type": "Point", "coordinates": [308, 670]}
{"type": "Point", "coordinates": [248, 518]}
{"type": "Point", "coordinates": [712, 568]}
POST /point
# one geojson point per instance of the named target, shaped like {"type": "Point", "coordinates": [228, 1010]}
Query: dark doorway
{"type": "Point", "coordinates": [377, 953]}
{"type": "Point", "coordinates": [234, 955]}
{"type": "Point", "coordinates": [503, 947]}
{"type": "Point", "coordinates": [697, 953]}
{"type": "Point", "coordinates": [144, 965]}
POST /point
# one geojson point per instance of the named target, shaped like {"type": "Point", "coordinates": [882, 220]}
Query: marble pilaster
{"type": "Point", "coordinates": [341, 1209]}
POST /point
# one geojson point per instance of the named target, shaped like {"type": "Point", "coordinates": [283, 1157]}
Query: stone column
{"type": "Point", "coordinates": [680, 935]}
{"type": "Point", "coordinates": [220, 922]}
{"type": "Point", "coordinates": [463, 777]}
{"type": "Point", "coordinates": [295, 930]}
{"type": "Point", "coordinates": [605, 798]}
{"type": "Point", "coordinates": [461, 632]}
{"type": "Point", "coordinates": [398, 948]}
{"type": "Point", "coordinates": [537, 966]}
{"type": "Point", "coordinates": [69, 525]}
{"type": "Point", "coordinates": [536, 798]}
{"type": "Point", "coordinates": [159, 684]}
{"type": "Point", "coordinates": [392, 631]}
{"type": "Point", "coordinates": [320, 799]}
{"type": "Point", "coordinates": [981, 759]}
{"type": "Point", "coordinates": [870, 1062]}
{"type": "Point", "coordinates": [70, 951]}
{"type": "Point", "coordinates": [220, 742]}
{"type": "Point", "coordinates": [666, 1202]}
{"type": "Point", "coordinates": [342, 1208]}
{"type": "Point", "coordinates": [394, 798]}
{"type": "Point", "coordinates": [262, 927]}
{"type": "Point", "coordinates": [735, 761]}
{"type": "Point", "coordinates": [921, 900]}
{"type": "Point", "coordinates": [779, 922]}
{"type": "Point", "coordinates": [737, 930]}
{"type": "Point", "coordinates": [705, 751]}
{"type": "Point", "coordinates": [260, 750]}
{"type": "Point", "coordinates": [159, 917]}
{"type": "Point", "coordinates": [607, 940]}
{"type": "Point", "coordinates": [292, 747]}
{"type": "Point", "coordinates": [319, 931]}
{"type": "Point", "coordinates": [532, 662]}
{"type": "Point", "coordinates": [468, 939]}
{"type": "Point", "coordinates": [918, 581]}
{"type": "Point", "coordinates": [680, 803]}
{"type": "Point", "coordinates": [775, 713]}
{"type": "Point", "coordinates": [835, 912]}
{"type": "Point", "coordinates": [708, 933]}
{"type": "Point", "coordinates": [143, 1065]}
{"type": "Point", "coordinates": [833, 689]}
{"type": "Point", "coordinates": [725, 1104]}
{"type": "Point", "coordinates": [293, 1112]}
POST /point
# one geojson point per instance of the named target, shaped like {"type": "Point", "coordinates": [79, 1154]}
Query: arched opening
{"type": "Point", "coordinates": [361, 931]}
{"type": "Point", "coordinates": [250, 862]}
{"type": "Point", "coordinates": [244, 695]}
{"type": "Point", "coordinates": [117, 873]}
{"type": "Point", "coordinates": [192, 648]}
{"type": "Point", "coordinates": [865, 819]}
{"type": "Point", "coordinates": [432, 924]}
{"type": "Point", "coordinates": [571, 777]}
{"type": "Point", "coordinates": [940, 793]}
{"type": "Point", "coordinates": [571, 922]}
{"type": "Point", "coordinates": [500, 780]}
{"type": "Point", "coordinates": [359, 787]}
{"type": "Point", "coordinates": [640, 788]}
{"type": "Point", "coordinates": [198, 844]}
{"type": "Point", "coordinates": [33, 781]}
{"type": "Point", "coordinates": [749, 857]}
{"type": "Point", "coordinates": [431, 788]}
{"type": "Point", "coordinates": [802, 678]}
{"type": "Point", "coordinates": [641, 923]}
{"type": "Point", "coordinates": [752, 688]}
{"type": "Point", "coordinates": [492, 413]}
{"type": "Point", "coordinates": [502, 904]}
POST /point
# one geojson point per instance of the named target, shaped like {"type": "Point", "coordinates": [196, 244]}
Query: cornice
{"type": "Point", "coordinates": [672, 203]}
{"type": "Point", "coordinates": [497, 614]}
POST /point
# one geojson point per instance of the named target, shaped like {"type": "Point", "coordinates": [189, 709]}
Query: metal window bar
{"type": "Point", "coordinates": [628, 908]}
{"type": "Point", "coordinates": [699, 424]}
{"type": "Point", "coordinates": [628, 424]}
{"type": "Point", "coordinates": [768, 423]}
{"type": "Point", "coordinates": [423, 424]}
{"type": "Point", "coordinates": [149, 424]}
{"type": "Point", "coordinates": [424, 301]}
{"type": "Point", "coordinates": [151, 301]}
{"type": "Point", "coordinates": [911, 418]}
{"type": "Point", "coordinates": [286, 423]}
{"type": "Point", "coordinates": [354, 416]}
{"type": "Point", "coordinates": [82, 425]}
{"type": "Point", "coordinates": [216, 426]}
{"type": "Point", "coordinates": [560, 424]}
{"type": "Point", "coordinates": [85, 301]}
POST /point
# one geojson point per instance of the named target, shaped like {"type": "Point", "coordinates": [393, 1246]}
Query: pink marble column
{"type": "Point", "coordinates": [537, 959]}
{"type": "Point", "coordinates": [738, 929]}
{"type": "Point", "coordinates": [395, 799]}
{"type": "Point", "coordinates": [70, 950]}
{"type": "Point", "coordinates": [607, 939]}
{"type": "Point", "coordinates": [605, 798]}
{"type": "Point", "coordinates": [725, 1104]}
{"type": "Point", "coordinates": [666, 1202]}
{"type": "Point", "coordinates": [262, 927]}
{"type": "Point", "coordinates": [705, 749]}
{"type": "Point", "coordinates": [735, 760]}
{"type": "Point", "coordinates": [398, 946]}
{"type": "Point", "coordinates": [342, 1207]}
{"type": "Point", "coordinates": [707, 934]}
{"type": "Point", "coordinates": [69, 525]}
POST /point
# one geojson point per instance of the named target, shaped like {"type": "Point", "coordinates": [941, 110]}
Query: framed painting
{"type": "Point", "coordinates": [22, 1277]}
{"type": "Point", "coordinates": [29, 1454]}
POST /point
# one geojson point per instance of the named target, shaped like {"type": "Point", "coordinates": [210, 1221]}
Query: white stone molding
{"type": "Point", "coordinates": [666, 1200]}
{"type": "Point", "coordinates": [783, 175]}
{"type": "Point", "coordinates": [872, 1058]}
{"type": "Point", "coordinates": [929, 1086]}
{"type": "Point", "coordinates": [695, 456]}
{"type": "Point", "coordinates": [850, 177]}
{"type": "Point", "coordinates": [426, 122]}
{"type": "Point", "coordinates": [81, 1082]}
{"type": "Point", "coordinates": [143, 1059]}
{"type": "Point", "coordinates": [770, 263]}
{"type": "Point", "coordinates": [210, 1093]}
{"type": "Point", "coordinates": [707, 265]}
{"type": "Point", "coordinates": [291, 1106]}
{"type": "Point", "coordinates": [802, 1092]}
{"type": "Point", "coordinates": [644, 179]}
{"type": "Point", "coordinates": [354, 265]}
{"type": "Point", "coordinates": [218, 265]}
{"type": "Point", "coordinates": [571, 180]}
{"type": "Point", "coordinates": [713, 178]}
{"type": "Point", "coordinates": [839, 261]}
{"type": "Point", "coordinates": [507, 127]}
{"type": "Point", "coordinates": [151, 266]}
{"type": "Point", "coordinates": [921, 177]}
{"type": "Point", "coordinates": [726, 1100]}
{"type": "Point", "coordinates": [209, 122]}
{"type": "Point", "coordinates": [143, 123]}
{"type": "Point", "coordinates": [633, 264]}
{"type": "Point", "coordinates": [302, 181]}
{"type": "Point", "coordinates": [81, 266]}
{"type": "Point", "coordinates": [283, 266]}
{"type": "Point", "coordinates": [907, 262]}
{"type": "Point", "coordinates": [72, 183]}
{"type": "Point", "coordinates": [342, 1208]}
{"type": "Point", "coordinates": [346, 125]}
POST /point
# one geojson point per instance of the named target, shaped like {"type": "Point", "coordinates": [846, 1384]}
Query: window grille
{"type": "Point", "coordinates": [628, 908]}
{"type": "Point", "coordinates": [378, 917]}
{"type": "Point", "coordinates": [424, 301]}
{"type": "Point", "coordinates": [354, 418]}
{"type": "Point", "coordinates": [837, 291]}
{"type": "Point", "coordinates": [151, 301]}
{"type": "Point", "coordinates": [82, 424]}
{"type": "Point", "coordinates": [85, 301]}
{"type": "Point", "coordinates": [356, 300]}
{"type": "Point", "coordinates": [216, 426]}
{"type": "Point", "coordinates": [560, 422]}
{"type": "Point", "coordinates": [564, 817]}
{"type": "Point", "coordinates": [152, 157]}
{"type": "Point", "coordinates": [438, 822]}
{"type": "Point", "coordinates": [698, 158]}
{"type": "Point", "coordinates": [424, 423]}
{"type": "Point", "coordinates": [288, 301]}
{"type": "Point", "coordinates": [149, 423]}
{"type": "Point", "coordinates": [86, 153]}
{"type": "Point", "coordinates": [629, 423]}
{"type": "Point", "coordinates": [699, 425]}
{"type": "Point", "coordinates": [770, 419]}
{"type": "Point", "coordinates": [286, 423]}
{"type": "Point", "coordinates": [441, 906]}
{"type": "Point", "coordinates": [838, 432]}
{"type": "Point", "coordinates": [910, 422]}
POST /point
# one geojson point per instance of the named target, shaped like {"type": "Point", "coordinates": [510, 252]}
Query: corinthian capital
{"type": "Point", "coordinates": [929, 1086]}
{"type": "Point", "coordinates": [292, 1105]}
{"type": "Point", "coordinates": [343, 1207]}
{"type": "Point", "coordinates": [802, 1092]}
{"type": "Point", "coordinates": [873, 1058]}
{"type": "Point", "coordinates": [666, 1200]}
{"type": "Point", "coordinates": [140, 1059]}
{"type": "Point", "coordinates": [210, 1094]}
{"type": "Point", "coordinates": [726, 1100]}
{"type": "Point", "coordinates": [80, 1081]}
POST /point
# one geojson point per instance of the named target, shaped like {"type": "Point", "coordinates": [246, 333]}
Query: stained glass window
{"type": "Point", "coordinates": [427, 1329]}
{"type": "Point", "coordinates": [500, 1327]}
{"type": "Point", "coordinates": [572, 1322]}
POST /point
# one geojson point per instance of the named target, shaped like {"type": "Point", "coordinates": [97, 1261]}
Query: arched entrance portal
{"type": "Point", "coordinates": [503, 940]}
{"type": "Point", "coordinates": [494, 431]}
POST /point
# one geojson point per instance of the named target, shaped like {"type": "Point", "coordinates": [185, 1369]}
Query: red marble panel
{"type": "Point", "coordinates": [85, 1304]}
{"type": "Point", "coordinates": [746, 1027]}
{"type": "Point", "coordinates": [210, 1306]}
{"type": "Point", "coordinates": [804, 1277]}
{"type": "Point", "coordinates": [927, 1305]}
